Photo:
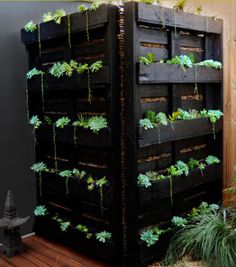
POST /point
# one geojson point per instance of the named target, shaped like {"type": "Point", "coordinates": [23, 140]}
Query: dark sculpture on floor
{"type": "Point", "coordinates": [11, 243]}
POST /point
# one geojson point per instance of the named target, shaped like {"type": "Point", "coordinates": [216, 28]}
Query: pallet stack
{"type": "Point", "coordinates": [123, 91]}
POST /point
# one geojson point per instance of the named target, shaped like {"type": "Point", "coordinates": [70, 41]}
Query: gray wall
{"type": "Point", "coordinates": [16, 142]}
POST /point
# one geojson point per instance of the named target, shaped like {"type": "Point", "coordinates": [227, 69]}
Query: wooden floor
{"type": "Point", "coordinates": [43, 253]}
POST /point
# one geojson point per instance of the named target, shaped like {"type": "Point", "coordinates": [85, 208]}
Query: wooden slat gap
{"type": "Point", "coordinates": [153, 45]}
{"type": "Point", "coordinates": [154, 158]}
{"type": "Point", "coordinates": [192, 97]}
{"type": "Point", "coordinates": [192, 49]}
{"type": "Point", "coordinates": [90, 164]}
{"type": "Point", "coordinates": [193, 148]}
{"type": "Point", "coordinates": [58, 206]}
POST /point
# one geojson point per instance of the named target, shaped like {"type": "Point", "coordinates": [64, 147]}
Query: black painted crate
{"type": "Point", "coordinates": [123, 91]}
{"type": "Point", "coordinates": [97, 154]}
{"type": "Point", "coordinates": [165, 88]}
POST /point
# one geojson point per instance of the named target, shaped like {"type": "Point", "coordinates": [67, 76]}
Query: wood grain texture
{"type": "Point", "coordinates": [43, 253]}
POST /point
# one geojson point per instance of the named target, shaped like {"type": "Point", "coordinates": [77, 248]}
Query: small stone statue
{"type": "Point", "coordinates": [11, 243]}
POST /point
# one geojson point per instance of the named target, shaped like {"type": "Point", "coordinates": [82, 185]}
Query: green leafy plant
{"type": "Point", "coordinates": [82, 9]}
{"type": "Point", "coordinates": [39, 168]}
{"type": "Point", "coordinates": [57, 16]}
{"type": "Point", "coordinates": [179, 221]}
{"type": "Point", "coordinates": [97, 123]}
{"type": "Point", "coordinates": [33, 72]}
{"type": "Point", "coordinates": [103, 236]}
{"type": "Point", "coordinates": [78, 174]}
{"type": "Point", "coordinates": [66, 174]}
{"type": "Point", "coordinates": [64, 225]}
{"type": "Point", "coordinates": [198, 9]}
{"type": "Point", "coordinates": [94, 123]}
{"type": "Point", "coordinates": [183, 60]}
{"type": "Point", "coordinates": [30, 26]}
{"type": "Point", "coordinates": [162, 119]}
{"type": "Point", "coordinates": [151, 236]}
{"type": "Point", "coordinates": [84, 229]}
{"type": "Point", "coordinates": [40, 210]}
{"type": "Point", "coordinates": [144, 181]}
{"type": "Point", "coordinates": [35, 122]}
{"type": "Point", "coordinates": [212, 160]}
{"type": "Point", "coordinates": [210, 63]}
{"type": "Point", "coordinates": [96, 66]}
{"type": "Point", "coordinates": [180, 5]}
{"type": "Point", "coordinates": [59, 13]}
{"type": "Point", "coordinates": [95, 5]}
{"type": "Point", "coordinates": [82, 68]}
{"type": "Point", "coordinates": [209, 236]}
{"type": "Point", "coordinates": [62, 122]}
{"type": "Point", "coordinates": [146, 124]}
{"type": "Point", "coordinates": [47, 16]}
{"type": "Point", "coordinates": [149, 59]}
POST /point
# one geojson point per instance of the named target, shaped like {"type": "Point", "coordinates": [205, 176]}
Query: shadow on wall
{"type": "Point", "coordinates": [16, 142]}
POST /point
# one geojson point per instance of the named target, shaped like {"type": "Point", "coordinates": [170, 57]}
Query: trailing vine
{"type": "Point", "coordinates": [39, 40]}
{"type": "Point", "coordinates": [195, 81]}
{"type": "Point", "coordinates": [69, 30]}
{"type": "Point", "coordinates": [54, 145]}
{"type": "Point", "coordinates": [39, 168]}
{"type": "Point", "coordinates": [87, 26]}
{"type": "Point", "coordinates": [42, 91]}
{"type": "Point", "coordinates": [171, 190]}
{"type": "Point", "coordinates": [27, 101]}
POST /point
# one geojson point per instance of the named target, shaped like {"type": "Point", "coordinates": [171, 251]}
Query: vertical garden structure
{"type": "Point", "coordinates": [123, 90]}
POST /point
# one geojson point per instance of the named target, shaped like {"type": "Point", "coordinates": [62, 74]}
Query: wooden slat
{"type": "Point", "coordinates": [155, 15]}
{"type": "Point", "coordinates": [168, 73]}
{"type": "Point", "coordinates": [68, 253]}
{"type": "Point", "coordinates": [174, 131]}
{"type": "Point", "coordinates": [51, 30]}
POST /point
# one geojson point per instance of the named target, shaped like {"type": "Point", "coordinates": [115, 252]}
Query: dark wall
{"type": "Point", "coordinates": [16, 142]}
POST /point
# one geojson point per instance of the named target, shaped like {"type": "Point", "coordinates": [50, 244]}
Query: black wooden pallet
{"type": "Point", "coordinates": [159, 87]}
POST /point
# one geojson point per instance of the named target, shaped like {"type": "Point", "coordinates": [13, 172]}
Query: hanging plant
{"type": "Point", "coordinates": [60, 123]}
{"type": "Point", "coordinates": [84, 10]}
{"type": "Point", "coordinates": [39, 40]}
{"type": "Point", "coordinates": [100, 184]}
{"type": "Point", "coordinates": [67, 174]}
{"type": "Point", "coordinates": [39, 168]}
{"type": "Point", "coordinates": [36, 122]}
{"type": "Point", "coordinates": [29, 75]}
{"type": "Point", "coordinates": [69, 31]}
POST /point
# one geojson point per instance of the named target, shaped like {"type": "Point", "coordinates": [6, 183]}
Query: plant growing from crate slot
{"type": "Point", "coordinates": [66, 174]}
{"type": "Point", "coordinates": [152, 235]}
{"type": "Point", "coordinates": [39, 168]}
{"type": "Point", "coordinates": [84, 229]}
{"type": "Point", "coordinates": [60, 123]}
{"type": "Point", "coordinates": [149, 59]}
{"type": "Point", "coordinates": [180, 168]}
{"type": "Point", "coordinates": [103, 236]}
{"type": "Point", "coordinates": [94, 123]}
{"type": "Point", "coordinates": [99, 184]}
{"type": "Point", "coordinates": [30, 26]}
{"type": "Point", "coordinates": [56, 17]}
{"type": "Point", "coordinates": [151, 121]}
{"type": "Point", "coordinates": [29, 75]}
{"type": "Point", "coordinates": [35, 122]}
{"type": "Point", "coordinates": [40, 210]}
{"type": "Point", "coordinates": [64, 225]}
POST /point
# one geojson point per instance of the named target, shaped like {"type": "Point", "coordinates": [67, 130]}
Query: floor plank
{"type": "Point", "coordinates": [43, 253]}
